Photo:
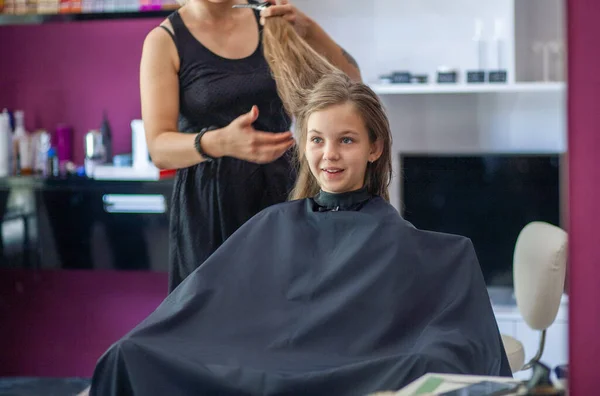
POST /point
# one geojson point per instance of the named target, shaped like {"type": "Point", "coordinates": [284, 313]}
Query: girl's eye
{"type": "Point", "coordinates": [347, 140]}
{"type": "Point", "coordinates": [316, 139]}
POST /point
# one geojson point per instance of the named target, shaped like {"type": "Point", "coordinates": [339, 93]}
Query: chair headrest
{"type": "Point", "coordinates": [539, 267]}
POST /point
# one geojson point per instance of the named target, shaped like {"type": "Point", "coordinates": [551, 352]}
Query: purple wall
{"type": "Point", "coordinates": [583, 31]}
{"type": "Point", "coordinates": [71, 72]}
{"type": "Point", "coordinates": [58, 323]}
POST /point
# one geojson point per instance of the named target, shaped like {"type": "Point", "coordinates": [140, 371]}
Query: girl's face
{"type": "Point", "coordinates": [338, 148]}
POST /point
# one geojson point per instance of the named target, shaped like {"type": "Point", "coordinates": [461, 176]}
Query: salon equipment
{"type": "Point", "coordinates": [546, 50]}
{"type": "Point", "coordinates": [477, 75]}
{"type": "Point", "coordinates": [106, 132]}
{"type": "Point", "coordinates": [446, 75]}
{"type": "Point", "coordinates": [539, 269]}
{"type": "Point", "coordinates": [139, 147]}
{"type": "Point", "coordinates": [41, 141]}
{"type": "Point", "coordinates": [255, 6]}
{"type": "Point", "coordinates": [541, 383]}
{"type": "Point", "coordinates": [483, 388]}
{"type": "Point", "coordinates": [386, 79]}
{"type": "Point", "coordinates": [64, 143]}
{"type": "Point", "coordinates": [419, 79]}
{"type": "Point", "coordinates": [95, 151]}
{"type": "Point", "coordinates": [438, 384]}
{"type": "Point", "coordinates": [52, 168]}
{"type": "Point", "coordinates": [499, 74]}
{"type": "Point", "coordinates": [141, 167]}
{"type": "Point", "coordinates": [5, 144]}
{"type": "Point", "coordinates": [515, 352]}
{"type": "Point", "coordinates": [404, 77]}
{"type": "Point", "coordinates": [401, 77]}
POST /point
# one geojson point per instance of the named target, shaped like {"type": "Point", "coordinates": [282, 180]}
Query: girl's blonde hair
{"type": "Point", "coordinates": [306, 83]}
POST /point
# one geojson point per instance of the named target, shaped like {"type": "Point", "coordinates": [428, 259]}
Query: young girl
{"type": "Point", "coordinates": [332, 293]}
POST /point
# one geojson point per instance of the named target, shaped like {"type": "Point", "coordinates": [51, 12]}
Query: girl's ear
{"type": "Point", "coordinates": [376, 150]}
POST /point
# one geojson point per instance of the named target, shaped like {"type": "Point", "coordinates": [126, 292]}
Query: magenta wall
{"type": "Point", "coordinates": [58, 323]}
{"type": "Point", "coordinates": [71, 72]}
{"type": "Point", "coordinates": [584, 197]}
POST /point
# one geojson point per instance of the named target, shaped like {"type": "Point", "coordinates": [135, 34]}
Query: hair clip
{"type": "Point", "coordinates": [257, 6]}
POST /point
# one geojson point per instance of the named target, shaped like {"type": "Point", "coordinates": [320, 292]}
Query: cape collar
{"type": "Point", "coordinates": [343, 201]}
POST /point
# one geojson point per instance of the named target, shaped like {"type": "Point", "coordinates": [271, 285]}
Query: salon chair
{"type": "Point", "coordinates": [539, 269]}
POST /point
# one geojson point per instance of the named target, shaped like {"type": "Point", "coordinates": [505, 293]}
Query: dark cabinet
{"type": "Point", "coordinates": [84, 224]}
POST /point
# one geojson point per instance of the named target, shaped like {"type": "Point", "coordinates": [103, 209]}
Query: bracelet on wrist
{"type": "Point", "coordinates": [198, 143]}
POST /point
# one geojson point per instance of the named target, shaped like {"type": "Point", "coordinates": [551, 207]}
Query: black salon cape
{"type": "Point", "coordinates": [301, 302]}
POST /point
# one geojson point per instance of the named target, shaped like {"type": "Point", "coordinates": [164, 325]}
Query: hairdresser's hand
{"type": "Point", "coordinates": [242, 141]}
{"type": "Point", "coordinates": [286, 10]}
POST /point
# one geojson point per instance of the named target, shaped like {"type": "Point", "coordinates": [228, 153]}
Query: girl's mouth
{"type": "Point", "coordinates": [333, 173]}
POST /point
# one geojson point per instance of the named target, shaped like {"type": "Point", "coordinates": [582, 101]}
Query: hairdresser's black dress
{"type": "Point", "coordinates": [213, 199]}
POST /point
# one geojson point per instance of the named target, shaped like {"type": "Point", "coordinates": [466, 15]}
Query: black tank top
{"type": "Point", "coordinates": [213, 199]}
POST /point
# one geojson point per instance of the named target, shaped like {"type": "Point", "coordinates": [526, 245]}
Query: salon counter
{"type": "Point", "coordinates": [77, 182]}
{"type": "Point", "coordinates": [77, 222]}
{"type": "Point", "coordinates": [33, 386]}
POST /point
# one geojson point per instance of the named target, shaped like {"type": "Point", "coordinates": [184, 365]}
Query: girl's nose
{"type": "Point", "coordinates": [331, 152]}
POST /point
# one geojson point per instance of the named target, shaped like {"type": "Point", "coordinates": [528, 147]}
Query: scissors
{"type": "Point", "coordinates": [257, 6]}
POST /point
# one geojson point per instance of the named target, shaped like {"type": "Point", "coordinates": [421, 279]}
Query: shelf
{"type": "Point", "coordinates": [413, 89]}
{"type": "Point", "coordinates": [29, 19]}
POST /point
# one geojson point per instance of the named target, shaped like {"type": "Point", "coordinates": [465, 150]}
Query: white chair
{"type": "Point", "coordinates": [539, 268]}
{"type": "Point", "coordinates": [514, 352]}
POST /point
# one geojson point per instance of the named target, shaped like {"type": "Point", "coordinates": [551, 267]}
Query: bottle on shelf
{"type": "Point", "coordinates": [64, 6]}
{"type": "Point", "coordinates": [498, 73]}
{"type": "Point", "coordinates": [40, 144]}
{"type": "Point", "coordinates": [106, 132]}
{"type": "Point", "coordinates": [477, 74]}
{"type": "Point", "coordinates": [52, 168]}
{"type": "Point", "coordinates": [48, 7]}
{"type": "Point", "coordinates": [95, 151]}
{"type": "Point", "coordinates": [5, 143]}
{"type": "Point", "coordinates": [22, 154]}
{"type": "Point", "coordinates": [63, 138]}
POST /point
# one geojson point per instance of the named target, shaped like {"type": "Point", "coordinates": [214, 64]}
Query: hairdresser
{"type": "Point", "coordinates": [211, 110]}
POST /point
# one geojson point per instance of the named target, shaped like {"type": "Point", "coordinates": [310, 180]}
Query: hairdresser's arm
{"type": "Point", "coordinates": [159, 85]}
{"type": "Point", "coordinates": [315, 36]}
{"type": "Point", "coordinates": [320, 41]}
{"type": "Point", "coordinates": [171, 149]}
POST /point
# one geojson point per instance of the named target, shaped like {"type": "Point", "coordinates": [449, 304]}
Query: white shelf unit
{"type": "Point", "coordinates": [387, 36]}
{"type": "Point", "coordinates": [410, 89]}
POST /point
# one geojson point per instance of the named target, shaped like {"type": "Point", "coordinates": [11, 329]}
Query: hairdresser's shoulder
{"type": "Point", "coordinates": [159, 36]}
{"type": "Point", "coordinates": [159, 48]}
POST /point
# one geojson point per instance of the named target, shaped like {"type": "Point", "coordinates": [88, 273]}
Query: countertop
{"type": "Point", "coordinates": [77, 182]}
{"type": "Point", "coordinates": [34, 386]}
